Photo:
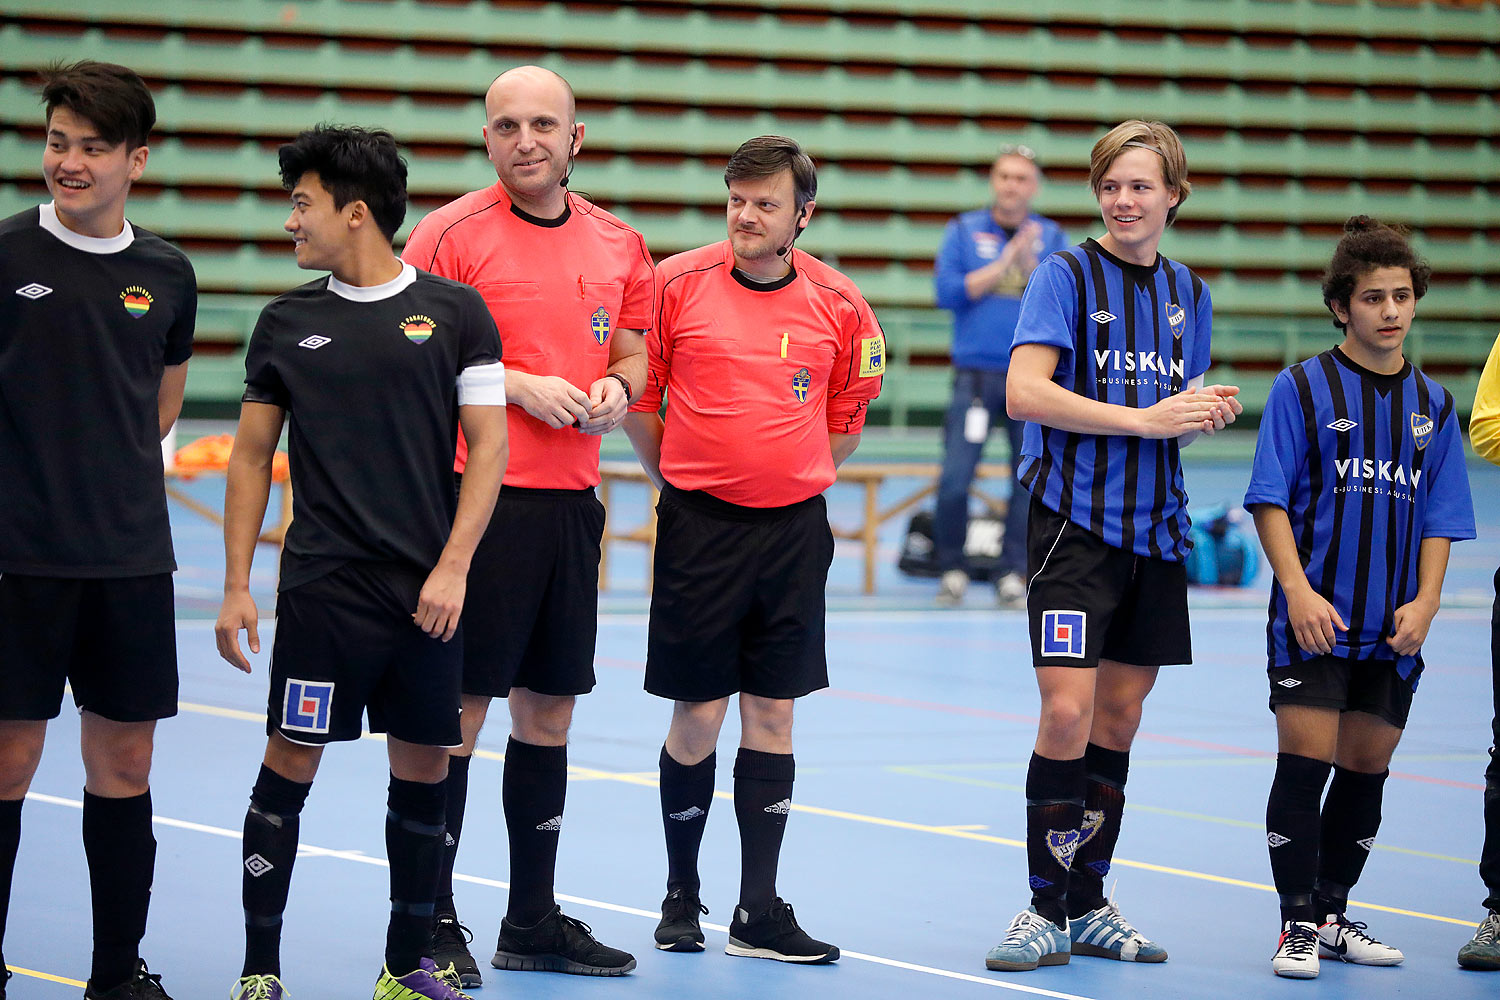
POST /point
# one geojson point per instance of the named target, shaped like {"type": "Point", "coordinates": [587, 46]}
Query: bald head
{"type": "Point", "coordinates": [534, 86]}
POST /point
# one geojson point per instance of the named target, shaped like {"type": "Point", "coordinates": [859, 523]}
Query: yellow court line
{"type": "Point", "coordinates": [959, 832]}
{"type": "Point", "coordinates": [49, 977]}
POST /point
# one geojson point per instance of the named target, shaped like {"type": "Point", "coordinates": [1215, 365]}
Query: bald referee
{"type": "Point", "coordinates": [768, 359]}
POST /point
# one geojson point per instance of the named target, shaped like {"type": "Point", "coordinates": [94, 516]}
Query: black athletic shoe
{"type": "Point", "coordinates": [450, 946]}
{"type": "Point", "coordinates": [773, 933]}
{"type": "Point", "coordinates": [679, 929]}
{"type": "Point", "coordinates": [5, 980]}
{"type": "Point", "coordinates": [558, 943]}
{"type": "Point", "coordinates": [141, 986]}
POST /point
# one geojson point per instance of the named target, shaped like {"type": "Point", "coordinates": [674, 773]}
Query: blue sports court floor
{"type": "Point", "coordinates": [904, 847]}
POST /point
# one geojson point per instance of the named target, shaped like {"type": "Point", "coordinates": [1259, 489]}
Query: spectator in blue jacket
{"type": "Point", "coordinates": [985, 261]}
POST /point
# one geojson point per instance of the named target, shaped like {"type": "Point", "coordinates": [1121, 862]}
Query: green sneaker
{"type": "Point", "coordinates": [422, 984]}
{"type": "Point", "coordinates": [259, 988]}
{"type": "Point", "coordinates": [1483, 951]}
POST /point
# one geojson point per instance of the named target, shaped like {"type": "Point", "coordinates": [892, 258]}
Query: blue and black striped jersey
{"type": "Point", "coordinates": [1366, 466]}
{"type": "Point", "coordinates": [1127, 334]}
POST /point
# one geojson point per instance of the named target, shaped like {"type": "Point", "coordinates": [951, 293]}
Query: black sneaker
{"type": "Point", "coordinates": [5, 980]}
{"type": "Point", "coordinates": [141, 986]}
{"type": "Point", "coordinates": [450, 946]}
{"type": "Point", "coordinates": [773, 933]}
{"type": "Point", "coordinates": [679, 929]}
{"type": "Point", "coordinates": [558, 943]}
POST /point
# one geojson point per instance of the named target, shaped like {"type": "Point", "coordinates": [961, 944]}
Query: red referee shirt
{"type": "Point", "coordinates": [757, 376]}
{"type": "Point", "coordinates": [558, 289]}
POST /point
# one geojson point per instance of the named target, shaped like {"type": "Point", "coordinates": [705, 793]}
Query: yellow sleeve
{"type": "Point", "coordinates": [1484, 424]}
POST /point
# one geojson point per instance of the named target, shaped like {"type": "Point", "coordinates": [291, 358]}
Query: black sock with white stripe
{"type": "Point", "coordinates": [1054, 814]}
{"type": "Point", "coordinates": [1351, 819]}
{"type": "Point", "coordinates": [762, 801]}
{"type": "Point", "coordinates": [268, 851]}
{"type": "Point", "coordinates": [687, 791]}
{"type": "Point", "coordinates": [532, 792]}
{"type": "Point", "coordinates": [414, 846]}
{"type": "Point", "coordinates": [1292, 831]}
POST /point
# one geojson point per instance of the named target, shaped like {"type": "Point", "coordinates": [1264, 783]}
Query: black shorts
{"type": "Point", "coordinates": [1089, 600]}
{"type": "Point", "coordinates": [1371, 686]}
{"type": "Point", "coordinates": [346, 642]}
{"type": "Point", "coordinates": [114, 640]}
{"type": "Point", "coordinates": [532, 610]}
{"type": "Point", "coordinates": [737, 601]}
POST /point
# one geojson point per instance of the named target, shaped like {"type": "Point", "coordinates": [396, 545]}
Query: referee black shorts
{"type": "Point", "coordinates": [737, 601]}
{"type": "Point", "coordinates": [1089, 600]}
{"type": "Point", "coordinates": [1372, 686]}
{"type": "Point", "coordinates": [346, 642]}
{"type": "Point", "coordinates": [114, 640]}
{"type": "Point", "coordinates": [532, 611]}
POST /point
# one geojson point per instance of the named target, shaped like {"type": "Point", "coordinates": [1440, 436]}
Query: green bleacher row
{"type": "Point", "coordinates": [620, 77]}
{"type": "Point", "coordinates": [703, 33]}
{"type": "Point", "coordinates": [252, 217]}
{"type": "Point", "coordinates": [701, 132]}
{"type": "Point", "coordinates": [1456, 21]}
{"type": "Point", "coordinates": [250, 165]}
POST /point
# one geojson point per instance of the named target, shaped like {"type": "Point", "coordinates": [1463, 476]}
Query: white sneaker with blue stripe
{"type": "Point", "coordinates": [1030, 940]}
{"type": "Point", "coordinates": [1104, 933]}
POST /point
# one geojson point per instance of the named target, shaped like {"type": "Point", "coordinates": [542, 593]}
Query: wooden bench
{"type": "Point", "coordinates": [868, 475]}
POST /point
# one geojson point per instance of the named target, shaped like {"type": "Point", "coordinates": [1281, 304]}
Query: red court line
{"type": "Point", "coordinates": [985, 713]}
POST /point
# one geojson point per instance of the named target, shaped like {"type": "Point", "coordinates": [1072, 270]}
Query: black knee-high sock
{"type": "Point", "coordinates": [687, 791]}
{"type": "Point", "coordinates": [1351, 819]}
{"type": "Point", "coordinates": [762, 802]}
{"type": "Point", "coordinates": [1292, 831]}
{"type": "Point", "coordinates": [1103, 805]}
{"type": "Point", "coordinates": [121, 852]}
{"type": "Point", "coordinates": [10, 841]}
{"type": "Point", "coordinates": [533, 792]}
{"type": "Point", "coordinates": [269, 850]}
{"type": "Point", "coordinates": [1054, 815]}
{"type": "Point", "coordinates": [414, 847]}
{"type": "Point", "coordinates": [458, 797]}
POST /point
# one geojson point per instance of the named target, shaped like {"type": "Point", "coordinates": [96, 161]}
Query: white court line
{"type": "Point", "coordinates": [308, 850]}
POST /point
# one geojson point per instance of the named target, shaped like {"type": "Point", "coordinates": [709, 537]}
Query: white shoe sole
{"type": "Point", "coordinates": [742, 950]}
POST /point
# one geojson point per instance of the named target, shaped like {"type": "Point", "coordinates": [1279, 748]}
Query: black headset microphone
{"type": "Point", "coordinates": [797, 228]}
{"type": "Point", "coordinates": [569, 172]}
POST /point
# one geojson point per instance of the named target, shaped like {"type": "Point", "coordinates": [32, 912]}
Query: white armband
{"type": "Point", "coordinates": [482, 385]}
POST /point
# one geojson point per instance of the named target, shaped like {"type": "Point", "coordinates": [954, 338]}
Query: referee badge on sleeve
{"type": "Point", "coordinates": [307, 706]}
{"type": "Point", "coordinates": [872, 356]}
{"type": "Point", "coordinates": [1063, 633]}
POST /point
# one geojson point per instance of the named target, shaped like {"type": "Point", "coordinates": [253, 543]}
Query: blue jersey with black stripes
{"type": "Point", "coordinates": [1366, 466]}
{"type": "Point", "coordinates": [1128, 334]}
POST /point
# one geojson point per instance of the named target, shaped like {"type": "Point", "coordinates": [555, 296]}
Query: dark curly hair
{"type": "Point", "coordinates": [353, 164]}
{"type": "Point", "coordinates": [1367, 244]}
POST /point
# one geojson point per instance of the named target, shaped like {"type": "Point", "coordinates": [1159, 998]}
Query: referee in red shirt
{"type": "Point", "coordinates": [769, 359]}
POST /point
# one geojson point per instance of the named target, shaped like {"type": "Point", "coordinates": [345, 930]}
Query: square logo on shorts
{"type": "Point", "coordinates": [307, 707]}
{"type": "Point", "coordinates": [1062, 633]}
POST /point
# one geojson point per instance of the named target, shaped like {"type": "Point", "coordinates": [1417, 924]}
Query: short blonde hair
{"type": "Point", "coordinates": [1155, 136]}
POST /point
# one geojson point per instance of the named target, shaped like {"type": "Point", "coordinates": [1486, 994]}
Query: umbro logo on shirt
{"type": "Point", "coordinates": [1289, 682]}
{"type": "Point", "coordinates": [1342, 424]}
{"type": "Point", "coordinates": [314, 342]}
{"type": "Point", "coordinates": [33, 291]}
{"type": "Point", "coordinates": [1102, 317]}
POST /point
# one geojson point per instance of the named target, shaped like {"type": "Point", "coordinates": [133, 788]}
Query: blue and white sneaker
{"type": "Point", "coordinates": [1104, 933]}
{"type": "Point", "coordinates": [1030, 940]}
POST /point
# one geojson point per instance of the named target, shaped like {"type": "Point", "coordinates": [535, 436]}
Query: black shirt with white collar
{"type": "Point", "coordinates": [88, 326]}
{"type": "Point", "coordinates": [371, 379]}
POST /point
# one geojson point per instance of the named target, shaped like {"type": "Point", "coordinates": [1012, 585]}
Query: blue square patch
{"type": "Point", "coordinates": [1063, 633]}
{"type": "Point", "coordinates": [307, 707]}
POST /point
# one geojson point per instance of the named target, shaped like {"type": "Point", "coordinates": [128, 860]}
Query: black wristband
{"type": "Point", "coordinates": [623, 381]}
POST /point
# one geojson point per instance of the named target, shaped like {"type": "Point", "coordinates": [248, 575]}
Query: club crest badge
{"type": "Point", "coordinates": [800, 384]}
{"type": "Point", "coordinates": [137, 301]}
{"type": "Point", "coordinates": [599, 325]}
{"type": "Point", "coordinates": [418, 328]}
{"type": "Point", "coordinates": [1421, 430]}
{"type": "Point", "coordinates": [1177, 317]}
